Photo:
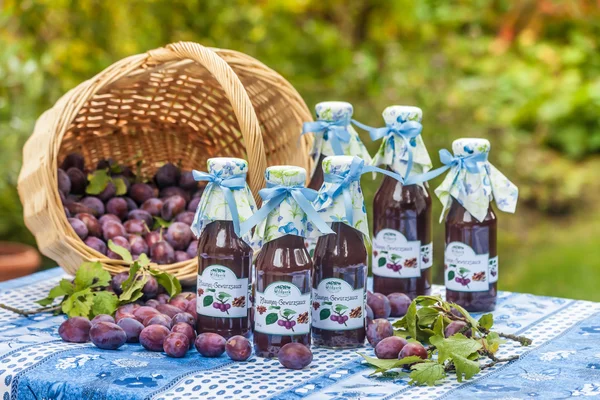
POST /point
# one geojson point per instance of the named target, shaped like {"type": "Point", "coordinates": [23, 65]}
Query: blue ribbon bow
{"type": "Point", "coordinates": [337, 130]}
{"type": "Point", "coordinates": [341, 182]}
{"type": "Point", "coordinates": [407, 131]}
{"type": "Point", "coordinates": [470, 163]}
{"type": "Point", "coordinates": [273, 196]}
{"type": "Point", "coordinates": [227, 184]}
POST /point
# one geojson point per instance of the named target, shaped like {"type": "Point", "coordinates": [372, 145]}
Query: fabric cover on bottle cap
{"type": "Point", "coordinates": [337, 111]}
{"type": "Point", "coordinates": [332, 209]}
{"type": "Point", "coordinates": [286, 175]}
{"type": "Point", "coordinates": [213, 205]}
{"type": "Point", "coordinates": [475, 183]}
{"type": "Point", "coordinates": [393, 152]}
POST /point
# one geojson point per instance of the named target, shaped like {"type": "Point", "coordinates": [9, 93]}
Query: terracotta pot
{"type": "Point", "coordinates": [17, 260]}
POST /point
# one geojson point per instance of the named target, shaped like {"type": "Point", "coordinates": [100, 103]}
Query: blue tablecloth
{"type": "Point", "coordinates": [564, 361]}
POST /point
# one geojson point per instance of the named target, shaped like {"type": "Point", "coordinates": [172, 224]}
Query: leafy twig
{"type": "Point", "coordinates": [27, 313]}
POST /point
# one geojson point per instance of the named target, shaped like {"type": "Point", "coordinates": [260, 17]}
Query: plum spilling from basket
{"type": "Point", "coordinates": [149, 216]}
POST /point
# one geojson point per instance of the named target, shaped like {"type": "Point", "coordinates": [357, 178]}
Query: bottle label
{"type": "Point", "coordinates": [394, 256]}
{"type": "Point", "coordinates": [221, 293]}
{"type": "Point", "coordinates": [336, 306]}
{"type": "Point", "coordinates": [426, 256]}
{"type": "Point", "coordinates": [466, 271]}
{"type": "Point", "coordinates": [282, 310]}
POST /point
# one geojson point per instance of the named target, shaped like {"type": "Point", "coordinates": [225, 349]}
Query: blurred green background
{"type": "Point", "coordinates": [524, 74]}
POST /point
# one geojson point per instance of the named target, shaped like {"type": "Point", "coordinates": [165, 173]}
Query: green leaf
{"type": "Point", "coordinates": [122, 251]}
{"type": "Point", "coordinates": [486, 321]}
{"type": "Point", "coordinates": [324, 314]}
{"type": "Point", "coordinates": [104, 303]}
{"type": "Point", "coordinates": [91, 274]}
{"type": "Point", "coordinates": [120, 186]}
{"type": "Point", "coordinates": [168, 281]}
{"type": "Point", "coordinates": [384, 365]}
{"type": "Point", "coordinates": [438, 326]}
{"type": "Point", "coordinates": [97, 181]}
{"type": "Point", "coordinates": [327, 303]}
{"type": "Point", "coordinates": [274, 308]}
{"type": "Point", "coordinates": [466, 367]}
{"type": "Point", "coordinates": [223, 295]}
{"type": "Point", "coordinates": [143, 260]}
{"type": "Point", "coordinates": [411, 319]}
{"type": "Point", "coordinates": [208, 300]}
{"type": "Point", "coordinates": [340, 307]}
{"type": "Point", "coordinates": [64, 288]}
{"type": "Point", "coordinates": [132, 290]}
{"type": "Point", "coordinates": [451, 275]}
{"type": "Point", "coordinates": [395, 257]}
{"type": "Point", "coordinates": [287, 312]}
{"type": "Point", "coordinates": [427, 373]}
{"type": "Point", "coordinates": [79, 304]}
{"type": "Point", "coordinates": [465, 314]}
{"type": "Point", "coordinates": [427, 316]}
{"type": "Point", "coordinates": [161, 223]}
{"type": "Point", "coordinates": [493, 342]}
{"type": "Point", "coordinates": [463, 270]}
{"type": "Point", "coordinates": [427, 301]}
{"type": "Point", "coordinates": [381, 262]}
{"type": "Point", "coordinates": [271, 318]}
{"type": "Point", "coordinates": [456, 345]}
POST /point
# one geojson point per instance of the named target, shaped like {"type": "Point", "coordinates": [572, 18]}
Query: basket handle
{"type": "Point", "coordinates": [237, 95]}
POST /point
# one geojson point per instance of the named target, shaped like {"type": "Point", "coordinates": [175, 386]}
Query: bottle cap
{"type": "Point", "coordinates": [227, 166]}
{"type": "Point", "coordinates": [397, 115]}
{"type": "Point", "coordinates": [337, 164]}
{"type": "Point", "coordinates": [334, 110]}
{"type": "Point", "coordinates": [286, 175]}
{"type": "Point", "coordinates": [469, 146]}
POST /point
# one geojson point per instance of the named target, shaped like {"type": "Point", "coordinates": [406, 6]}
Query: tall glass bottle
{"type": "Point", "coordinates": [224, 258]}
{"type": "Point", "coordinates": [471, 258]}
{"type": "Point", "coordinates": [283, 266]}
{"type": "Point", "coordinates": [402, 246]}
{"type": "Point", "coordinates": [334, 135]}
{"type": "Point", "coordinates": [340, 272]}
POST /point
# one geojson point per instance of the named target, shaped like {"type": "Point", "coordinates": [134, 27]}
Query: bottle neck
{"type": "Point", "coordinates": [287, 241]}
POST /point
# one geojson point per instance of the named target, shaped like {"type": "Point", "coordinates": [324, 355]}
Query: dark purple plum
{"type": "Point", "coordinates": [141, 215]}
{"type": "Point", "coordinates": [132, 328]}
{"type": "Point", "coordinates": [131, 205]}
{"type": "Point", "coordinates": [105, 163]}
{"type": "Point", "coordinates": [144, 312]}
{"type": "Point", "coordinates": [412, 349]}
{"type": "Point", "coordinates": [74, 198]}
{"type": "Point", "coordinates": [117, 281]}
{"type": "Point", "coordinates": [295, 356]}
{"type": "Point", "coordinates": [112, 229]}
{"type": "Point", "coordinates": [73, 160]}
{"type": "Point", "coordinates": [238, 348]}
{"type": "Point", "coordinates": [152, 303]}
{"type": "Point", "coordinates": [186, 329]}
{"type": "Point", "coordinates": [379, 304]}
{"type": "Point", "coordinates": [168, 309]}
{"type": "Point", "coordinates": [78, 180]}
{"type": "Point", "coordinates": [193, 204]}
{"type": "Point", "coordinates": [369, 314]}
{"type": "Point", "coordinates": [108, 217]}
{"type": "Point", "coordinates": [162, 253]}
{"type": "Point", "coordinates": [91, 223]}
{"type": "Point", "coordinates": [102, 318]}
{"type": "Point", "coordinates": [167, 175]}
{"type": "Point", "coordinates": [174, 191]}
{"type": "Point", "coordinates": [141, 192]}
{"type": "Point", "coordinates": [390, 347]}
{"type": "Point", "coordinates": [138, 245]}
{"type": "Point", "coordinates": [79, 227]}
{"type": "Point", "coordinates": [150, 289]}
{"type": "Point", "coordinates": [187, 295]}
{"type": "Point", "coordinates": [198, 193]}
{"type": "Point", "coordinates": [152, 337]}
{"type": "Point", "coordinates": [75, 329]}
{"type": "Point", "coordinates": [192, 249]}
{"type": "Point", "coordinates": [186, 217]}
{"type": "Point", "coordinates": [135, 226]}
{"type": "Point", "coordinates": [179, 235]}
{"type": "Point", "coordinates": [118, 207]}
{"type": "Point", "coordinates": [183, 317]}
{"type": "Point", "coordinates": [119, 241]}
{"type": "Point", "coordinates": [172, 207]}
{"type": "Point", "coordinates": [153, 207]}
{"type": "Point", "coordinates": [108, 193]}
{"type": "Point", "coordinates": [176, 345]}
{"type": "Point", "coordinates": [181, 256]}
{"type": "Point", "coordinates": [399, 303]}
{"type": "Point", "coordinates": [96, 244]}
{"type": "Point", "coordinates": [179, 302]}
{"type": "Point", "coordinates": [159, 319]}
{"type": "Point", "coordinates": [67, 212]}
{"type": "Point", "coordinates": [78, 208]}
{"type": "Point", "coordinates": [191, 308]}
{"type": "Point", "coordinates": [120, 315]}
{"type": "Point", "coordinates": [187, 181]}
{"type": "Point", "coordinates": [163, 298]}
{"type": "Point", "coordinates": [95, 204]}
{"type": "Point", "coordinates": [153, 237]}
{"type": "Point", "coordinates": [210, 344]}
{"type": "Point", "coordinates": [455, 327]}
{"type": "Point", "coordinates": [107, 336]}
{"type": "Point", "coordinates": [378, 330]}
{"type": "Point", "coordinates": [125, 311]}
{"type": "Point", "coordinates": [64, 182]}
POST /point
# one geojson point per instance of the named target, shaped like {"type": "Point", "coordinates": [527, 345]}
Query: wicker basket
{"type": "Point", "coordinates": [182, 103]}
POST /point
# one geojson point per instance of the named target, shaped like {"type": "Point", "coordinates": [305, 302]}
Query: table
{"type": "Point", "coordinates": [564, 361]}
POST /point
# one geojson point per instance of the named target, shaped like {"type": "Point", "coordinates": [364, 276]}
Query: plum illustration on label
{"type": "Point", "coordinates": [466, 271]}
{"type": "Point", "coordinates": [221, 293]}
{"type": "Point", "coordinates": [282, 310]}
{"type": "Point", "coordinates": [396, 257]}
{"type": "Point", "coordinates": [337, 306]}
{"type": "Point", "coordinates": [426, 256]}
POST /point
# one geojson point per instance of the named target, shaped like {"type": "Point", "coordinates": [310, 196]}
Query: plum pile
{"type": "Point", "coordinates": [150, 217]}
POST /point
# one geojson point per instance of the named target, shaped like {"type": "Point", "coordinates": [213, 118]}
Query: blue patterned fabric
{"type": "Point", "coordinates": [564, 361]}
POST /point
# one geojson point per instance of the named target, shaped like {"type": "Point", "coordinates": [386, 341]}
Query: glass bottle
{"type": "Point", "coordinates": [224, 258]}
{"type": "Point", "coordinates": [402, 243]}
{"type": "Point", "coordinates": [340, 271]}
